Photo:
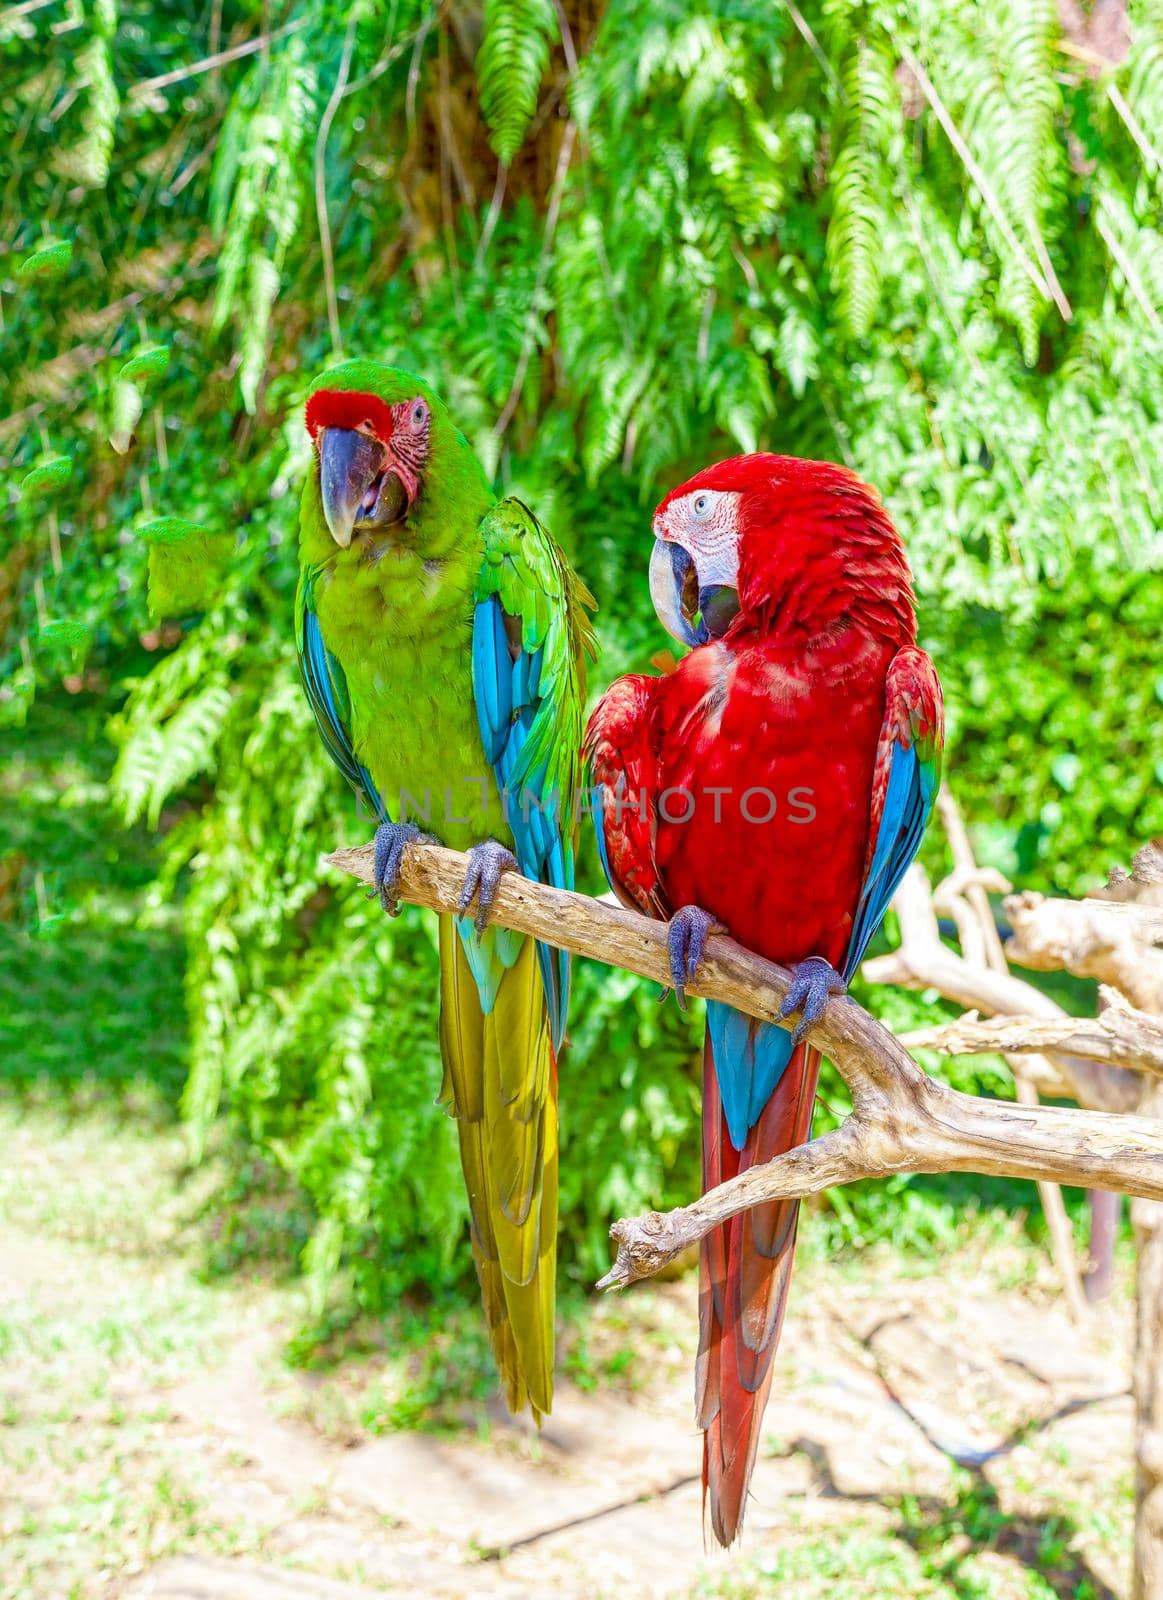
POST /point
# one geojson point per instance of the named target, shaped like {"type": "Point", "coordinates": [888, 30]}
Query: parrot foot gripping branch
{"type": "Point", "coordinates": [903, 1120]}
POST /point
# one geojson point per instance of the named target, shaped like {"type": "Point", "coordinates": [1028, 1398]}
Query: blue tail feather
{"type": "Point", "coordinates": [750, 1058]}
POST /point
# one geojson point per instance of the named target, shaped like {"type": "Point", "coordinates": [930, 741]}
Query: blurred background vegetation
{"type": "Point", "coordinates": [622, 240]}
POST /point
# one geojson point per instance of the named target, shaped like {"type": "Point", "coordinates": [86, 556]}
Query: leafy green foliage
{"type": "Point", "coordinates": [186, 565]}
{"type": "Point", "coordinates": [52, 473]}
{"type": "Point", "coordinates": [48, 261]}
{"type": "Point", "coordinates": [510, 65]}
{"type": "Point", "coordinates": [854, 254]}
{"type": "Point", "coordinates": [146, 364]}
{"type": "Point", "coordinates": [256, 198]}
{"type": "Point", "coordinates": [923, 241]}
{"type": "Point", "coordinates": [91, 1007]}
{"type": "Point", "coordinates": [1077, 771]}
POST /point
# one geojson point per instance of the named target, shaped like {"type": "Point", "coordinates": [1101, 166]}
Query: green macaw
{"type": "Point", "coordinates": [441, 637]}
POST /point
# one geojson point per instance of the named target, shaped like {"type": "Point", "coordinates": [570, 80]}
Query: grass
{"type": "Point", "coordinates": [102, 1317]}
{"type": "Point", "coordinates": [968, 1548]}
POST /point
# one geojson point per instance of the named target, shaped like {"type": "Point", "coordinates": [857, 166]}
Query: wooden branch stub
{"type": "Point", "coordinates": [1144, 882]}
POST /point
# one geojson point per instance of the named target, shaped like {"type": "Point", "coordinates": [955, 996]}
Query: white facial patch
{"type": "Point", "coordinates": [705, 523]}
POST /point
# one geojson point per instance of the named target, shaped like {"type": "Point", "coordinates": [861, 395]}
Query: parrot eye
{"type": "Point", "coordinates": [419, 415]}
{"type": "Point", "coordinates": [702, 506]}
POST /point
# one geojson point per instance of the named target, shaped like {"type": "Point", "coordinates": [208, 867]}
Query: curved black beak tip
{"type": "Point", "coordinates": [348, 464]}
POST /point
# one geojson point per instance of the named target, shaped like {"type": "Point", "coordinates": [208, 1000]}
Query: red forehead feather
{"type": "Point", "coordinates": [347, 408]}
{"type": "Point", "coordinates": [763, 472]}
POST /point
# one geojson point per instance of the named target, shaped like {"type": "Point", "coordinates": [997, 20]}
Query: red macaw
{"type": "Point", "coordinates": [775, 784]}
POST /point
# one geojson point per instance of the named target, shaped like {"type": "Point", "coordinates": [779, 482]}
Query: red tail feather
{"type": "Point", "coordinates": [744, 1273]}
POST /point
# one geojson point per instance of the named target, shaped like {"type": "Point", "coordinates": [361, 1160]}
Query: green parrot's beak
{"type": "Point", "coordinates": [358, 483]}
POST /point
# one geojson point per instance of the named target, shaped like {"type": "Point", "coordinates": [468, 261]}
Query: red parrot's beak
{"type": "Point", "coordinates": [674, 588]}
{"type": "Point", "coordinates": [691, 612]}
{"type": "Point", "coordinates": [359, 483]}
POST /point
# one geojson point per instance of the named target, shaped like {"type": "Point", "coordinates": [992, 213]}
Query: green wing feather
{"type": "Point", "coordinates": [531, 634]}
{"type": "Point", "coordinates": [524, 568]}
{"type": "Point", "coordinates": [325, 686]}
{"type": "Point", "coordinates": [498, 1037]}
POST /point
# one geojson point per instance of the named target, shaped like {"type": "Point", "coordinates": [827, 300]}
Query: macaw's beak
{"type": "Point", "coordinates": [690, 612]}
{"type": "Point", "coordinates": [674, 588]}
{"type": "Point", "coordinates": [358, 483]}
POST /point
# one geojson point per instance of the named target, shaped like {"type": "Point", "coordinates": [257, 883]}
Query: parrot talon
{"type": "Point", "coordinates": [686, 938]}
{"type": "Point", "coordinates": [813, 982]}
{"type": "Point", "coordinates": [392, 838]}
{"type": "Point", "coordinates": [486, 863]}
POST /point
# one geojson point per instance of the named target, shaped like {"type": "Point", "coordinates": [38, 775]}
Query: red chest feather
{"type": "Point", "coordinates": [765, 777]}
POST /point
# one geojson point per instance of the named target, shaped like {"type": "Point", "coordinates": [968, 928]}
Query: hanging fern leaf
{"type": "Point", "coordinates": [257, 198]}
{"type": "Point", "coordinates": [510, 64]}
{"type": "Point", "coordinates": [1136, 253]}
{"type": "Point", "coordinates": [87, 160]}
{"type": "Point", "coordinates": [1143, 75]}
{"type": "Point", "coordinates": [187, 745]}
{"type": "Point", "coordinates": [855, 251]}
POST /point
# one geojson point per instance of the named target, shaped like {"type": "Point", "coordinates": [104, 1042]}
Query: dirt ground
{"type": "Point", "coordinates": [934, 1430]}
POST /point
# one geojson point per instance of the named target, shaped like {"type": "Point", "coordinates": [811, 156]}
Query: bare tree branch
{"type": "Point", "coordinates": [250, 47]}
{"type": "Point", "coordinates": [923, 962]}
{"type": "Point", "coordinates": [965, 891]}
{"type": "Point", "coordinates": [902, 1119]}
{"type": "Point", "coordinates": [1117, 942]}
{"type": "Point", "coordinates": [1120, 1034]}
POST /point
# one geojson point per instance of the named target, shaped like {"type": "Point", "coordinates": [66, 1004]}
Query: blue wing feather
{"type": "Point", "coordinates": [326, 690]}
{"type": "Point", "coordinates": [493, 678]}
{"type": "Point", "coordinates": [912, 786]}
{"type": "Point", "coordinates": [506, 690]}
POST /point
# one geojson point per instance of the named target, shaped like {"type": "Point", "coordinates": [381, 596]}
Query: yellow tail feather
{"type": "Point", "coordinates": [500, 1084]}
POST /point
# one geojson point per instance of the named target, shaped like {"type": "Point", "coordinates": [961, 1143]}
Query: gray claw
{"type": "Point", "coordinates": [813, 982]}
{"type": "Point", "coordinates": [686, 939]}
{"type": "Point", "coordinates": [390, 843]}
{"type": "Point", "coordinates": [486, 863]}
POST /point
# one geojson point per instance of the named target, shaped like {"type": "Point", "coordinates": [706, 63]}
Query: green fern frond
{"type": "Point", "coordinates": [1142, 74]}
{"type": "Point", "coordinates": [859, 189]}
{"type": "Point", "coordinates": [1005, 99]}
{"type": "Point", "coordinates": [187, 746]}
{"type": "Point", "coordinates": [87, 161]}
{"type": "Point", "coordinates": [257, 199]}
{"type": "Point", "coordinates": [510, 64]}
{"type": "Point", "coordinates": [1136, 254]}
